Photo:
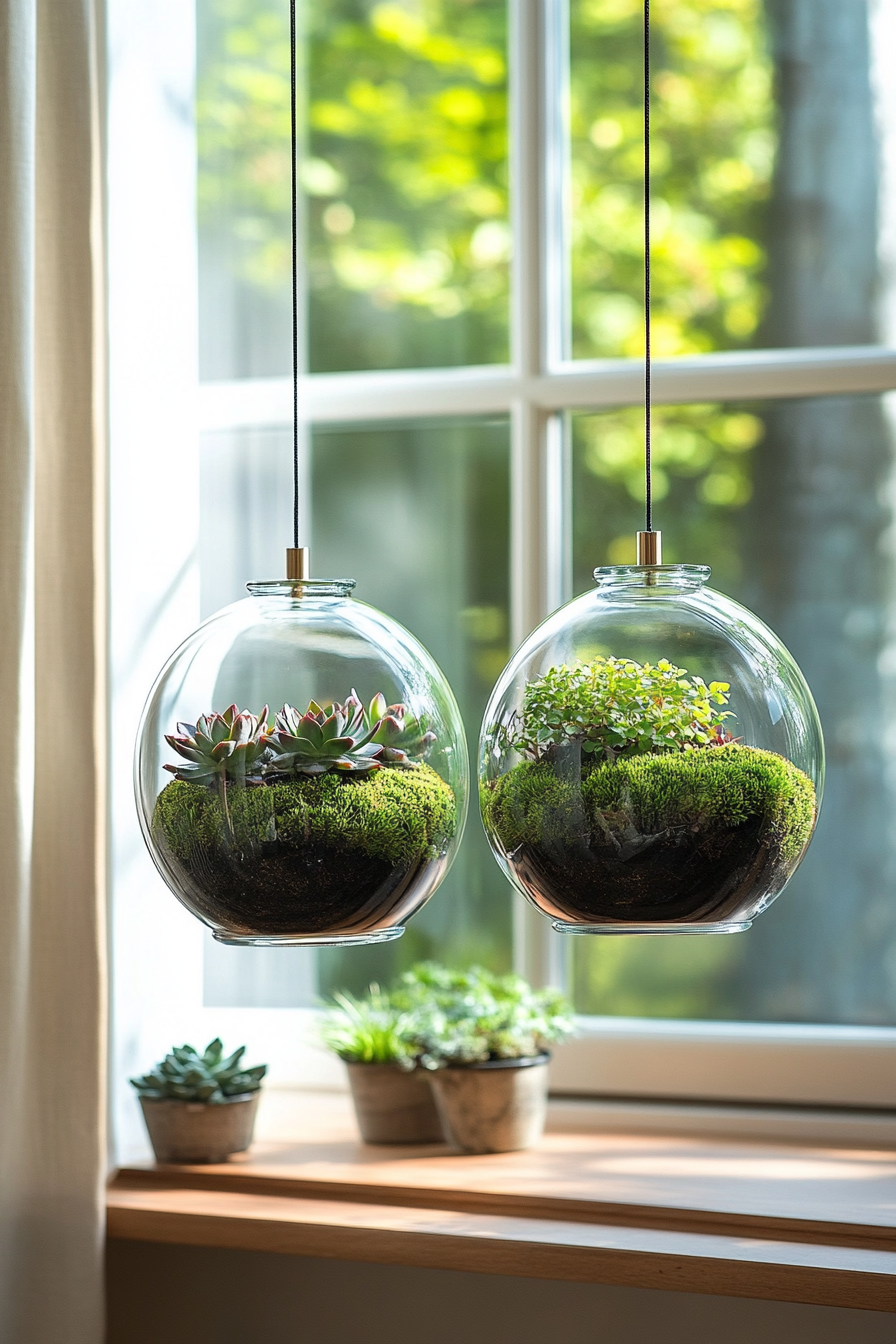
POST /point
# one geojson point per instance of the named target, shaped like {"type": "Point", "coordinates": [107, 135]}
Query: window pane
{"type": "Point", "coordinates": [405, 184]}
{"type": "Point", "coordinates": [765, 136]}
{"type": "Point", "coordinates": [788, 502]}
{"type": "Point", "coordinates": [419, 515]}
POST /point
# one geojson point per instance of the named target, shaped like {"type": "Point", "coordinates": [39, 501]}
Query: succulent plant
{"type": "Point", "coordinates": [228, 746]}
{"type": "Point", "coordinates": [320, 740]}
{"type": "Point", "coordinates": [347, 737]}
{"type": "Point", "coordinates": [237, 746]}
{"type": "Point", "coordinates": [185, 1075]}
{"type": "Point", "coordinates": [402, 737]}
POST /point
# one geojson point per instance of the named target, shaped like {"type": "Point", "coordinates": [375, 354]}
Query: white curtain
{"type": "Point", "coordinates": [52, 936]}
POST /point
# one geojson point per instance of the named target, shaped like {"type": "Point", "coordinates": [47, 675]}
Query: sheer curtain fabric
{"type": "Point", "coordinates": [52, 937]}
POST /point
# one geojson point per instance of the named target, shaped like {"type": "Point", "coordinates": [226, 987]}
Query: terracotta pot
{"type": "Point", "coordinates": [394, 1105]}
{"type": "Point", "coordinates": [494, 1107]}
{"type": "Point", "coordinates": [197, 1131]}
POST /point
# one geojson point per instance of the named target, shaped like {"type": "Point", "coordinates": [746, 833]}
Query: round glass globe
{"type": "Point", "coordinates": [623, 792]}
{"type": "Point", "coordinates": [330, 820]}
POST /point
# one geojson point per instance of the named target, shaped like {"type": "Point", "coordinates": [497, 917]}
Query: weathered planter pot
{"type": "Point", "coordinates": [394, 1105]}
{"type": "Point", "coordinates": [190, 1131]}
{"type": "Point", "coordinates": [494, 1107]}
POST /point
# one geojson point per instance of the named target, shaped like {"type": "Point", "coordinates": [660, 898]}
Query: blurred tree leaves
{"type": "Point", "coordinates": [404, 170]}
{"type": "Point", "coordinates": [713, 145]}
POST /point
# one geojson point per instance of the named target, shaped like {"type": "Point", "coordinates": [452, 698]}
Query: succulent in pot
{"type": "Point", "coordinates": [200, 1107]}
{"type": "Point", "coordinates": [629, 801]}
{"type": "Point", "coordinates": [484, 1038]}
{"type": "Point", "coordinates": [391, 1094]}
{"type": "Point", "coordinates": [306, 823]}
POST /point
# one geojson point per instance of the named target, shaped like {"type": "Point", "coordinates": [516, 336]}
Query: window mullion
{"type": "Point", "coordinates": [534, 564]}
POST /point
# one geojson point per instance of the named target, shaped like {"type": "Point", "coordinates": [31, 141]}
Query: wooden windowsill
{"type": "Point", "coordinates": [697, 1215]}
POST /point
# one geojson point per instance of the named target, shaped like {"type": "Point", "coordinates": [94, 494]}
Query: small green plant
{"type": "Point", "coordinates": [211, 1077]}
{"type": "Point", "coordinates": [615, 707]}
{"type": "Point", "coordinates": [466, 1017]}
{"type": "Point", "coordinates": [370, 1030]}
{"type": "Point", "coordinates": [221, 747]}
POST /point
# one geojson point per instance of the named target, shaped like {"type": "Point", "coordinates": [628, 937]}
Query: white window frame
{"type": "Point", "coordinates": [815, 1065]}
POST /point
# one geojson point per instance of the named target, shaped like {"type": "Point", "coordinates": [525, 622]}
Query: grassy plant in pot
{"type": "Point", "coordinates": [485, 1039]}
{"type": "Point", "coordinates": [200, 1107]}
{"type": "Point", "coordinates": [392, 1095]}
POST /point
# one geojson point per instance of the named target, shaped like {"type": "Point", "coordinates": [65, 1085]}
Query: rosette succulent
{"type": "Point", "coordinates": [401, 737]}
{"type": "Point", "coordinates": [220, 747]}
{"type": "Point", "coordinates": [347, 738]}
{"type": "Point", "coordinates": [320, 740]}
{"type": "Point", "coordinates": [211, 1077]}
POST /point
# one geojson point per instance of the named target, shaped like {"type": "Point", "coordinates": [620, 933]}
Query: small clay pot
{"type": "Point", "coordinates": [394, 1105]}
{"type": "Point", "coordinates": [199, 1131]}
{"type": "Point", "coordinates": [497, 1106]}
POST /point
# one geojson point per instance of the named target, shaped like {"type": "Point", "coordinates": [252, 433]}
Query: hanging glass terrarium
{"type": "Point", "coordinates": [331, 816]}
{"type": "Point", "coordinates": [651, 759]}
{"type": "Point", "coordinates": [301, 768]}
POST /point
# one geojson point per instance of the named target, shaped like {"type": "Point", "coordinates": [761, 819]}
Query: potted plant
{"type": "Point", "coordinates": [304, 824]}
{"type": "Point", "coordinates": [392, 1096]}
{"type": "Point", "coordinates": [484, 1038]}
{"type": "Point", "coordinates": [633, 802]}
{"type": "Point", "coordinates": [200, 1108]}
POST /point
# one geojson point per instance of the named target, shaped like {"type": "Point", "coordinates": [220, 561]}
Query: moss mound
{"type": "Point", "coordinates": [306, 856]}
{"type": "Point", "coordinates": [669, 836]}
{"type": "Point", "coordinates": [396, 815]}
{"type": "Point", "coordinates": [730, 785]}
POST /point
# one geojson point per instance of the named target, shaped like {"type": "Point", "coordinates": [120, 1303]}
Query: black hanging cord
{"type": "Point", "coordinates": [295, 274]}
{"type": "Point", "coordinates": [647, 417]}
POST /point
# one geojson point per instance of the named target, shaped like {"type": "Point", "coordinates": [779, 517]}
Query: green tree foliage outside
{"type": "Point", "coordinates": [712, 155]}
{"type": "Point", "coordinates": [404, 171]}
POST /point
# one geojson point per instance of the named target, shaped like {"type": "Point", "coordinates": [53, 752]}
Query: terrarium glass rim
{"type": "Point", "coordinates": [651, 577]}
{"type": "Point", "coordinates": [307, 587]}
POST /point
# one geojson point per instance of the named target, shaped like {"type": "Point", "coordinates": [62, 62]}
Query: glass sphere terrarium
{"type": "Point", "coordinates": [651, 759]}
{"type": "Point", "coordinates": [301, 770]}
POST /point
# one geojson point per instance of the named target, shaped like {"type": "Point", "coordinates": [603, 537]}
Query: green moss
{"type": "Point", "coordinates": [729, 785]}
{"type": "Point", "coordinates": [400, 816]}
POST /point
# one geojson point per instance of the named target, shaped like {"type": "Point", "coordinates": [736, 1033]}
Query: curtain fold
{"type": "Point", "coordinates": [52, 659]}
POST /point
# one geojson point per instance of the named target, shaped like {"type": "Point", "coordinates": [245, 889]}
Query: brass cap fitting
{"type": "Point", "coordinates": [650, 548]}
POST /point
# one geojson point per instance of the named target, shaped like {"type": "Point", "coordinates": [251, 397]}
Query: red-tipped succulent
{"type": "Point", "coordinates": [348, 738]}
{"type": "Point", "coordinates": [232, 746]}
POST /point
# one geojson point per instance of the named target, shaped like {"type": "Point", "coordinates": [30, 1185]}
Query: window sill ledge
{"type": "Point", "coordinates": [657, 1211]}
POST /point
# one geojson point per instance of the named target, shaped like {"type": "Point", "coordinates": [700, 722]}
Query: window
{"type": "Point", "coordinates": [471, 289]}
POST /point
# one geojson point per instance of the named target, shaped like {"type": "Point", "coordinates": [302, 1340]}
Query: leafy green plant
{"type": "Point", "coordinates": [211, 1077]}
{"type": "Point", "coordinates": [466, 1017]}
{"type": "Point", "coordinates": [220, 747]}
{"type": "Point", "coordinates": [370, 1030]}
{"type": "Point", "coordinates": [616, 707]}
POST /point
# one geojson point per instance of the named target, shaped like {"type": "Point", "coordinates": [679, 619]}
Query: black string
{"type": "Point", "coordinates": [647, 463]}
{"type": "Point", "coordinates": [295, 276]}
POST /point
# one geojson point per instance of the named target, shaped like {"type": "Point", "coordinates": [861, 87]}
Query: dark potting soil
{"type": "Point", "coordinates": [698, 874]}
{"type": "Point", "coordinates": [284, 890]}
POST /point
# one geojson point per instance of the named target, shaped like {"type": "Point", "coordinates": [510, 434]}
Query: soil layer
{"type": "Point", "coordinates": [285, 891]}
{"type": "Point", "coordinates": [684, 874]}
{"type": "Point", "coordinates": [681, 837]}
